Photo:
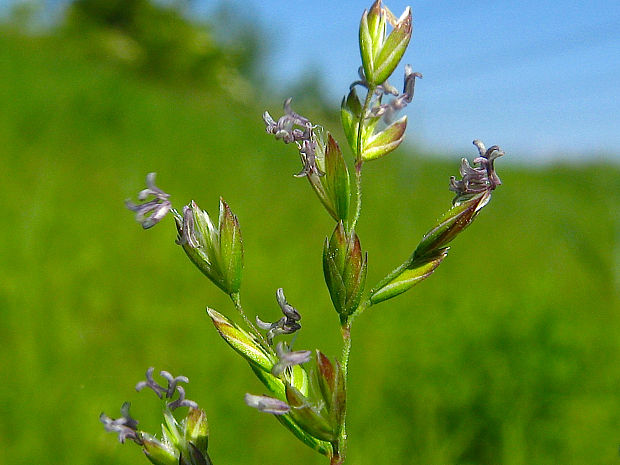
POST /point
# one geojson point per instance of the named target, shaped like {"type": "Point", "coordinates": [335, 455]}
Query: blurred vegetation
{"type": "Point", "coordinates": [507, 355]}
{"type": "Point", "coordinates": [160, 40]}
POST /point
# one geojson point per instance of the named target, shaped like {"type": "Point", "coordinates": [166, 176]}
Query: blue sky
{"type": "Point", "coordinates": [539, 78]}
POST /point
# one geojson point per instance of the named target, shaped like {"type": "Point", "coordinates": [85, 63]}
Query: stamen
{"type": "Point", "coordinates": [172, 382]}
{"type": "Point", "coordinates": [292, 127]}
{"type": "Point", "coordinates": [288, 359]}
{"type": "Point", "coordinates": [480, 177]}
{"type": "Point", "coordinates": [151, 383]}
{"type": "Point", "coordinates": [181, 401]}
{"type": "Point", "coordinates": [288, 310]}
{"type": "Point", "coordinates": [152, 212]}
{"type": "Point", "coordinates": [267, 404]}
{"type": "Point", "coordinates": [170, 390]}
{"type": "Point", "coordinates": [125, 426]}
{"type": "Point", "coordinates": [285, 325]}
{"type": "Point", "coordinates": [187, 234]}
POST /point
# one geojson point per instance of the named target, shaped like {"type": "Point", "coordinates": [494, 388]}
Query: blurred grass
{"type": "Point", "coordinates": [509, 354]}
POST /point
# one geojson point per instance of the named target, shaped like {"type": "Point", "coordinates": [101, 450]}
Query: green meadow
{"type": "Point", "coordinates": [509, 354]}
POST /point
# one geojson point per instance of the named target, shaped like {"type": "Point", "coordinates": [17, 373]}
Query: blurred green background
{"type": "Point", "coordinates": [508, 355]}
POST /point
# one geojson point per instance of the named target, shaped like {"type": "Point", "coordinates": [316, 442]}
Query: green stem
{"type": "Point", "coordinates": [360, 309]}
{"type": "Point", "coordinates": [395, 272]}
{"type": "Point", "coordinates": [360, 127]}
{"type": "Point", "coordinates": [336, 458]}
{"type": "Point", "coordinates": [341, 445]}
{"type": "Point", "coordinates": [358, 194]}
{"type": "Point", "coordinates": [358, 159]}
{"type": "Point", "coordinates": [236, 298]}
